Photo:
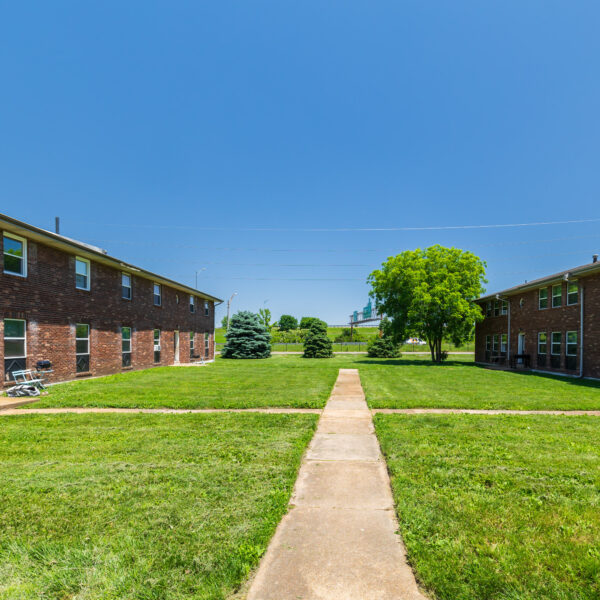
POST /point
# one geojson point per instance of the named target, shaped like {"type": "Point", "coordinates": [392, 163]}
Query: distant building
{"type": "Point", "coordinates": [89, 313]}
{"type": "Point", "coordinates": [550, 324]}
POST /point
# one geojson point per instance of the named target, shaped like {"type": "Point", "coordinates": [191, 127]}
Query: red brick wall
{"type": "Point", "coordinates": [51, 304]}
{"type": "Point", "coordinates": [527, 318]}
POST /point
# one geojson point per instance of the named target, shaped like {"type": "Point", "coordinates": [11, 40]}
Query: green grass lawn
{"type": "Point", "coordinates": [459, 383]}
{"type": "Point", "coordinates": [152, 507]}
{"type": "Point", "coordinates": [498, 508]}
{"type": "Point", "coordinates": [278, 381]}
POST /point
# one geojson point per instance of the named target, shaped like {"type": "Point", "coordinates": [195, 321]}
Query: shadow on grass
{"type": "Point", "coordinates": [397, 362]}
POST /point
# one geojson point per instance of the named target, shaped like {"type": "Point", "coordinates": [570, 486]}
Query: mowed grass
{"type": "Point", "coordinates": [279, 381]}
{"type": "Point", "coordinates": [141, 506]}
{"type": "Point", "coordinates": [498, 507]}
{"type": "Point", "coordinates": [459, 383]}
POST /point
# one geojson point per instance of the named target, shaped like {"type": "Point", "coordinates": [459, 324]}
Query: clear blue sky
{"type": "Point", "coordinates": [146, 124]}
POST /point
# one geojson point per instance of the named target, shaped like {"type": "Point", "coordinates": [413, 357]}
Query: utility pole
{"type": "Point", "coordinates": [228, 305]}
{"type": "Point", "coordinates": [199, 271]}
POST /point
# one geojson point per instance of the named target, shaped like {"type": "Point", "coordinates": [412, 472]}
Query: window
{"type": "Point", "coordinates": [503, 343]}
{"type": "Point", "coordinates": [15, 346]}
{"type": "Point", "coordinates": [206, 345]}
{"type": "Point", "coordinates": [572, 293]}
{"type": "Point", "coordinates": [157, 345]}
{"type": "Point", "coordinates": [126, 346]}
{"type": "Point", "coordinates": [571, 343]}
{"type": "Point", "coordinates": [496, 308]}
{"type": "Point", "coordinates": [82, 274]}
{"type": "Point", "coordinates": [488, 343]}
{"type": "Point", "coordinates": [192, 304]}
{"type": "Point", "coordinates": [504, 308]}
{"type": "Point", "coordinates": [556, 295]}
{"type": "Point", "coordinates": [206, 308]}
{"type": "Point", "coordinates": [543, 298]}
{"type": "Point", "coordinates": [82, 347]}
{"type": "Point", "coordinates": [15, 255]}
{"type": "Point", "coordinates": [542, 342]}
{"type": "Point", "coordinates": [192, 336]}
{"type": "Point", "coordinates": [488, 308]}
{"type": "Point", "coordinates": [556, 342]}
{"type": "Point", "coordinates": [495, 344]}
{"type": "Point", "coordinates": [125, 286]}
{"type": "Point", "coordinates": [157, 294]}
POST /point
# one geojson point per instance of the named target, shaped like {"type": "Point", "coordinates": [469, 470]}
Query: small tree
{"type": "Point", "coordinates": [306, 322]}
{"type": "Point", "coordinates": [264, 314]}
{"type": "Point", "coordinates": [287, 322]}
{"type": "Point", "coordinates": [247, 337]}
{"type": "Point", "coordinates": [430, 294]}
{"type": "Point", "coordinates": [316, 343]}
{"type": "Point", "coordinates": [224, 322]}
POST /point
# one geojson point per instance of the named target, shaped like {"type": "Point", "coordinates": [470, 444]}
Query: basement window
{"type": "Point", "coordinates": [15, 255]}
{"type": "Point", "coordinates": [572, 293]}
{"type": "Point", "coordinates": [543, 298]}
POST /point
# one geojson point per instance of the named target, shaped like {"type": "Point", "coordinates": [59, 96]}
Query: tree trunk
{"type": "Point", "coordinates": [431, 349]}
{"type": "Point", "coordinates": [438, 350]}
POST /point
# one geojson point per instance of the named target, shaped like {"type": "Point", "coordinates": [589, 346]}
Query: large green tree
{"type": "Point", "coordinates": [430, 294]}
{"type": "Point", "coordinates": [287, 322]}
{"type": "Point", "coordinates": [247, 337]}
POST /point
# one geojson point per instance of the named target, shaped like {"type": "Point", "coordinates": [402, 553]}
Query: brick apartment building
{"type": "Point", "coordinates": [89, 313]}
{"type": "Point", "coordinates": [551, 324]}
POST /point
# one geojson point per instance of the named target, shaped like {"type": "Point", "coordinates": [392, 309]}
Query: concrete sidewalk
{"type": "Point", "coordinates": [339, 541]}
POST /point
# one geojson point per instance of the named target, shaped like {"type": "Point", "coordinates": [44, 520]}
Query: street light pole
{"type": "Point", "coordinates": [199, 271]}
{"type": "Point", "coordinates": [228, 305]}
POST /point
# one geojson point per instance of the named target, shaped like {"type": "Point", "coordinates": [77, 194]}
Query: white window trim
{"type": "Point", "coordinates": [156, 346]}
{"type": "Point", "coordinates": [503, 344]}
{"type": "Point", "coordinates": [130, 339]}
{"type": "Point", "coordinates": [130, 286]}
{"type": "Point", "coordinates": [24, 338]}
{"type": "Point", "coordinates": [89, 274]}
{"type": "Point", "coordinates": [540, 307]}
{"type": "Point", "coordinates": [159, 294]}
{"type": "Point", "coordinates": [18, 238]}
{"type": "Point", "coordinates": [192, 303]}
{"type": "Point", "coordinates": [540, 333]}
{"type": "Point", "coordinates": [552, 343]}
{"type": "Point", "coordinates": [567, 343]}
{"type": "Point", "coordinates": [192, 340]}
{"type": "Point", "coordinates": [85, 338]}
{"type": "Point", "coordinates": [206, 344]}
{"type": "Point", "coordinates": [488, 343]}
{"type": "Point", "coordinates": [558, 285]}
{"type": "Point", "coordinates": [572, 303]}
{"type": "Point", "coordinates": [206, 309]}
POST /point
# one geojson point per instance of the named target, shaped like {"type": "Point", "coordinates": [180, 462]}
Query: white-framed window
{"type": "Point", "coordinates": [15, 255]}
{"type": "Point", "coordinates": [503, 343]}
{"type": "Point", "coordinates": [192, 304]}
{"type": "Point", "coordinates": [496, 308]}
{"type": "Point", "coordinates": [82, 273]}
{"type": "Point", "coordinates": [206, 308]}
{"type": "Point", "coordinates": [571, 343]}
{"type": "Point", "coordinates": [504, 307]}
{"type": "Point", "coordinates": [543, 298]}
{"type": "Point", "coordinates": [126, 286]}
{"type": "Point", "coordinates": [572, 293]}
{"type": "Point", "coordinates": [15, 346]}
{"type": "Point", "coordinates": [192, 338]}
{"type": "Point", "coordinates": [15, 338]}
{"type": "Point", "coordinates": [542, 342]}
{"type": "Point", "coordinates": [488, 343]}
{"type": "Point", "coordinates": [555, 346]}
{"type": "Point", "coordinates": [82, 347]}
{"type": "Point", "coordinates": [495, 343]}
{"type": "Point", "coordinates": [126, 346]}
{"type": "Point", "coordinates": [157, 345]}
{"type": "Point", "coordinates": [206, 345]}
{"type": "Point", "coordinates": [557, 295]}
{"type": "Point", "coordinates": [488, 308]}
{"type": "Point", "coordinates": [157, 294]}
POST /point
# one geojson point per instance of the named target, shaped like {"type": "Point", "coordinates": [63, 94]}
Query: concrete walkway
{"type": "Point", "coordinates": [339, 541]}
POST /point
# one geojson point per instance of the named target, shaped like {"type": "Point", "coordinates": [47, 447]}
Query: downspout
{"type": "Point", "coordinates": [581, 333]}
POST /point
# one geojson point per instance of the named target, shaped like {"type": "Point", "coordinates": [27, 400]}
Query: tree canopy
{"type": "Point", "coordinates": [264, 315]}
{"type": "Point", "coordinates": [306, 322]}
{"type": "Point", "coordinates": [287, 322]}
{"type": "Point", "coordinates": [430, 294]}
{"type": "Point", "coordinates": [247, 337]}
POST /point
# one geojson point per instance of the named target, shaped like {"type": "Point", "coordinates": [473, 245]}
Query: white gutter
{"type": "Point", "coordinates": [581, 333]}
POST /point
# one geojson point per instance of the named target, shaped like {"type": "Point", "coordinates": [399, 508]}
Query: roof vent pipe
{"type": "Point", "coordinates": [595, 258]}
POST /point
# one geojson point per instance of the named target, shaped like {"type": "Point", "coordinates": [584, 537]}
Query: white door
{"type": "Point", "coordinates": [521, 346]}
{"type": "Point", "coordinates": [176, 341]}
